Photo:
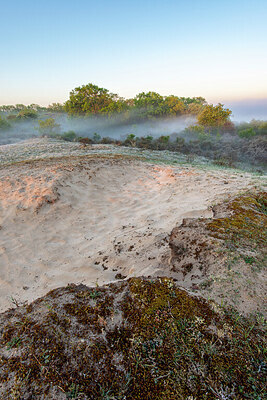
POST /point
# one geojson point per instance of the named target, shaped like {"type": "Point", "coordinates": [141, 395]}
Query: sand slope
{"type": "Point", "coordinates": [78, 221]}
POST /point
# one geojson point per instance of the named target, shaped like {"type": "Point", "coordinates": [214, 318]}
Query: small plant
{"type": "Point", "coordinates": [131, 140]}
{"type": "Point", "coordinates": [94, 294]}
{"type": "Point", "coordinates": [249, 260]}
{"type": "Point", "coordinates": [96, 137]}
{"type": "Point", "coordinates": [164, 139]}
{"type": "Point", "coordinates": [15, 342]}
{"type": "Point", "coordinates": [73, 392]}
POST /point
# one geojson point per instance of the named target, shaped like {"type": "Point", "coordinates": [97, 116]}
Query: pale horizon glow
{"type": "Point", "coordinates": [217, 50]}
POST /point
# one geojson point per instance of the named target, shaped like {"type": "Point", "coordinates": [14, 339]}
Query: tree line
{"type": "Point", "coordinates": [92, 100]}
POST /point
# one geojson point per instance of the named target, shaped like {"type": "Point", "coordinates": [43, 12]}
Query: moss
{"type": "Point", "coordinates": [155, 342]}
{"type": "Point", "coordinates": [247, 223]}
{"type": "Point", "coordinates": [245, 229]}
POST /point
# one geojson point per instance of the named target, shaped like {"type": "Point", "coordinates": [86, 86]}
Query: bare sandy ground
{"type": "Point", "coordinates": [94, 221]}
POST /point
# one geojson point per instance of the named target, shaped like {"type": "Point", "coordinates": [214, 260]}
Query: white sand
{"type": "Point", "coordinates": [86, 221]}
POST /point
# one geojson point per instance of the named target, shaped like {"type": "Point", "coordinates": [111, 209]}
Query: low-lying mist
{"type": "Point", "coordinates": [113, 127]}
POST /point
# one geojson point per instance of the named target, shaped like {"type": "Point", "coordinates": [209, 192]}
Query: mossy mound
{"type": "Point", "coordinates": [247, 224]}
{"type": "Point", "coordinates": [136, 339]}
{"type": "Point", "coordinates": [224, 257]}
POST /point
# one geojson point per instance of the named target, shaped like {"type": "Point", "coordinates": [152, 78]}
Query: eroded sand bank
{"type": "Point", "coordinates": [94, 221]}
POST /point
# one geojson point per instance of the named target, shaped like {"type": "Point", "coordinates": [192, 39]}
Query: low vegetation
{"type": "Point", "coordinates": [224, 257]}
{"type": "Point", "coordinates": [136, 339]}
{"type": "Point", "coordinates": [212, 134]}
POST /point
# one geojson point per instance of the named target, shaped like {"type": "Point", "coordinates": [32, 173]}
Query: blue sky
{"type": "Point", "coordinates": [210, 48]}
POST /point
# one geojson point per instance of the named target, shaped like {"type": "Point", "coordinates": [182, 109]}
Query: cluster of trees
{"type": "Point", "coordinates": [90, 99]}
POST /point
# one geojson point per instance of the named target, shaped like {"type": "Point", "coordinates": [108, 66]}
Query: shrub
{"type": "Point", "coordinates": [246, 133]}
{"type": "Point", "coordinates": [96, 137]}
{"type": "Point", "coordinates": [27, 114]}
{"type": "Point", "coordinates": [130, 140]}
{"type": "Point", "coordinates": [263, 128]}
{"type": "Point", "coordinates": [164, 139]}
{"type": "Point", "coordinates": [69, 136]}
{"type": "Point", "coordinates": [11, 117]}
{"type": "Point", "coordinates": [4, 124]}
{"type": "Point", "coordinates": [48, 127]}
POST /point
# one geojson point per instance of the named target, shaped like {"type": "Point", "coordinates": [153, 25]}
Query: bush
{"type": "Point", "coordinates": [69, 136]}
{"type": "Point", "coordinates": [164, 139]}
{"type": "Point", "coordinates": [195, 130]}
{"type": "Point", "coordinates": [130, 140]}
{"type": "Point", "coordinates": [27, 114]}
{"type": "Point", "coordinates": [246, 133]}
{"type": "Point", "coordinates": [11, 117]}
{"type": "Point", "coordinates": [48, 127]}
{"type": "Point", "coordinates": [96, 138]}
{"type": "Point", "coordinates": [4, 124]}
{"type": "Point", "coordinates": [263, 128]}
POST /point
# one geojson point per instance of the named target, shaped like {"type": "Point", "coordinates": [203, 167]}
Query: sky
{"type": "Point", "coordinates": [210, 48]}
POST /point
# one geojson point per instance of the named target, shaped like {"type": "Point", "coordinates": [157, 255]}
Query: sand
{"type": "Point", "coordinates": [93, 221]}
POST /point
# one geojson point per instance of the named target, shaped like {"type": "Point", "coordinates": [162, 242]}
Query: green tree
{"type": "Point", "coordinates": [194, 108]}
{"type": "Point", "coordinates": [174, 106]}
{"type": "Point", "coordinates": [214, 116]}
{"type": "Point", "coordinates": [149, 105]}
{"type": "Point", "coordinates": [90, 100]}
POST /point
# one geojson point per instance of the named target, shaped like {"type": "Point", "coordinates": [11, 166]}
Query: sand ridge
{"type": "Point", "coordinates": [94, 221]}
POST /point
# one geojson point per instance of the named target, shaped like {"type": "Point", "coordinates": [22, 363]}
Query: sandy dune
{"type": "Point", "coordinates": [95, 221]}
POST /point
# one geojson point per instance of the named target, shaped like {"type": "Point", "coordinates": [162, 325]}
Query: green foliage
{"type": "Point", "coordinates": [262, 129]}
{"type": "Point", "coordinates": [27, 113]}
{"type": "Point", "coordinates": [69, 136]}
{"type": "Point", "coordinates": [96, 137]}
{"type": "Point", "coordinates": [214, 116]}
{"type": "Point", "coordinates": [15, 342]}
{"type": "Point", "coordinates": [246, 228]}
{"type": "Point", "coordinates": [246, 133]}
{"type": "Point", "coordinates": [4, 125]}
{"type": "Point", "coordinates": [48, 127]}
{"type": "Point", "coordinates": [195, 130]}
{"type": "Point", "coordinates": [149, 104]}
{"type": "Point", "coordinates": [92, 100]}
{"type": "Point", "coordinates": [56, 107]}
{"type": "Point", "coordinates": [11, 117]}
{"type": "Point", "coordinates": [250, 129]}
{"type": "Point", "coordinates": [164, 139]}
{"type": "Point", "coordinates": [140, 339]}
{"type": "Point", "coordinates": [130, 140]}
{"type": "Point", "coordinates": [194, 108]}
